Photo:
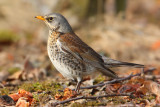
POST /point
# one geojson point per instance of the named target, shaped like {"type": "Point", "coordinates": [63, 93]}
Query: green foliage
{"type": "Point", "coordinates": [42, 91]}
{"type": "Point", "coordinates": [4, 91]}
{"type": "Point", "coordinates": [76, 104]}
{"type": "Point", "coordinates": [94, 103]}
{"type": "Point", "coordinates": [142, 99]}
{"type": "Point", "coordinates": [13, 70]}
{"type": "Point", "coordinates": [88, 103]}
{"type": "Point", "coordinates": [8, 36]}
{"type": "Point", "coordinates": [51, 87]}
{"type": "Point", "coordinates": [99, 79]}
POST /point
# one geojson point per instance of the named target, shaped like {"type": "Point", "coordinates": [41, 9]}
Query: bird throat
{"type": "Point", "coordinates": [53, 37]}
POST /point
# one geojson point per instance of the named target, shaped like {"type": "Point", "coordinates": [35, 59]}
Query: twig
{"type": "Point", "coordinates": [90, 97]}
{"type": "Point", "coordinates": [117, 80]}
{"type": "Point", "coordinates": [100, 85]}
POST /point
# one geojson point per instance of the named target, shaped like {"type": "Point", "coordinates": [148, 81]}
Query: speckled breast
{"type": "Point", "coordinates": [64, 62]}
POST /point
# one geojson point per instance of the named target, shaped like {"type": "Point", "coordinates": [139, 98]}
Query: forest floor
{"type": "Point", "coordinates": [28, 77]}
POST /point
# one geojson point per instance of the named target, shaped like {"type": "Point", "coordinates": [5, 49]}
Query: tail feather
{"type": "Point", "coordinates": [114, 63]}
{"type": "Point", "coordinates": [120, 64]}
{"type": "Point", "coordinates": [107, 72]}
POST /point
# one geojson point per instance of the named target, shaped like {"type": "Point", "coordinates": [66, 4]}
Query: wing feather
{"type": "Point", "coordinates": [75, 46]}
{"type": "Point", "coordinates": [79, 49]}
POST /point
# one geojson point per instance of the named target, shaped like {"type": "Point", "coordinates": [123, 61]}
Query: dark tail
{"type": "Point", "coordinates": [107, 72]}
{"type": "Point", "coordinates": [114, 63]}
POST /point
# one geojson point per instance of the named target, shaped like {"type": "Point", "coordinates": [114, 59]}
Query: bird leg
{"type": "Point", "coordinates": [78, 87]}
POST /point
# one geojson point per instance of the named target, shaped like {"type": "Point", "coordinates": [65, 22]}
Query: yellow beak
{"type": "Point", "coordinates": [40, 17]}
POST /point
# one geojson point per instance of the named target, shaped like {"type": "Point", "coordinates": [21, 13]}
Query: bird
{"type": "Point", "coordinates": [72, 57]}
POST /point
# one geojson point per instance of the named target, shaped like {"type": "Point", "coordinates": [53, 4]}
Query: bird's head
{"type": "Point", "coordinates": [56, 22]}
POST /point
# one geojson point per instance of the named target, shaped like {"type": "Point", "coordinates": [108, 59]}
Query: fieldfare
{"type": "Point", "coordinates": [71, 56]}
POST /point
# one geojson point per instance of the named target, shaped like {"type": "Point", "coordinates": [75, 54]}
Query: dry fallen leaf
{"type": "Point", "coordinates": [58, 97]}
{"type": "Point", "coordinates": [15, 76]}
{"type": "Point", "coordinates": [134, 71]}
{"type": "Point", "coordinates": [22, 102]}
{"type": "Point", "coordinates": [68, 93]}
{"type": "Point", "coordinates": [111, 88]}
{"type": "Point", "coordinates": [22, 93]}
{"type": "Point", "coordinates": [129, 88]}
{"type": "Point", "coordinates": [26, 94]}
{"type": "Point", "coordinates": [3, 75]}
{"type": "Point", "coordinates": [152, 87]}
{"type": "Point", "coordinates": [155, 45]}
{"type": "Point", "coordinates": [15, 96]}
{"type": "Point", "coordinates": [32, 73]}
{"type": "Point", "coordinates": [136, 79]}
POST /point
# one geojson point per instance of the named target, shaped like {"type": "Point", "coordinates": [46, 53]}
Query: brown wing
{"type": "Point", "coordinates": [72, 43]}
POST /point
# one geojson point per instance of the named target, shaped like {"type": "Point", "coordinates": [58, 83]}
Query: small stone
{"type": "Point", "coordinates": [6, 100]}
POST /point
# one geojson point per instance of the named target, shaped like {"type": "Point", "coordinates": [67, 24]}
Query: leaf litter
{"type": "Point", "coordinates": [28, 78]}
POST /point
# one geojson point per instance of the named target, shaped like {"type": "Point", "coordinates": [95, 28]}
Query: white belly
{"type": "Point", "coordinates": [65, 71]}
{"type": "Point", "coordinates": [62, 69]}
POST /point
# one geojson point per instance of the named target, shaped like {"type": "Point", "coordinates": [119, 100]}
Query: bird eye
{"type": "Point", "coordinates": [50, 19]}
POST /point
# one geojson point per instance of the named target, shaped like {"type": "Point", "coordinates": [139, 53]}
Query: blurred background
{"type": "Point", "coordinates": [126, 30]}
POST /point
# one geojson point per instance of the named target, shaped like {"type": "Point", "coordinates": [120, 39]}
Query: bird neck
{"type": "Point", "coordinates": [54, 34]}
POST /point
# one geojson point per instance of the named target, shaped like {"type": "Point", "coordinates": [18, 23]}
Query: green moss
{"type": "Point", "coordinates": [13, 70]}
{"type": "Point", "coordinates": [51, 87]}
{"type": "Point", "coordinates": [99, 79]}
{"type": "Point", "coordinates": [42, 91]}
{"type": "Point", "coordinates": [42, 98]}
{"type": "Point", "coordinates": [151, 97]}
{"type": "Point", "coordinates": [94, 103]}
{"type": "Point", "coordinates": [141, 99]}
{"type": "Point", "coordinates": [76, 104]}
{"type": "Point", "coordinates": [89, 103]}
{"type": "Point", "coordinates": [4, 91]}
{"type": "Point", "coordinates": [36, 97]}
{"type": "Point", "coordinates": [8, 36]}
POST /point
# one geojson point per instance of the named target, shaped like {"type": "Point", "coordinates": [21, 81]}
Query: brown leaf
{"type": "Point", "coordinates": [15, 96]}
{"type": "Point", "coordinates": [157, 71]}
{"type": "Point", "coordinates": [128, 88]}
{"type": "Point", "coordinates": [22, 102]}
{"type": "Point", "coordinates": [58, 97]}
{"type": "Point", "coordinates": [111, 88]}
{"type": "Point", "coordinates": [3, 75]}
{"type": "Point", "coordinates": [68, 93]}
{"type": "Point", "coordinates": [137, 79]}
{"type": "Point", "coordinates": [10, 57]}
{"type": "Point", "coordinates": [15, 76]}
{"type": "Point", "coordinates": [30, 72]}
{"type": "Point", "coordinates": [26, 94]}
{"type": "Point", "coordinates": [134, 71]}
{"type": "Point", "coordinates": [155, 45]}
{"type": "Point", "coordinates": [116, 86]}
{"type": "Point", "coordinates": [22, 93]}
{"type": "Point", "coordinates": [152, 87]}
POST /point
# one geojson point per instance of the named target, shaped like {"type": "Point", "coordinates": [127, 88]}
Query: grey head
{"type": "Point", "coordinates": [57, 22]}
